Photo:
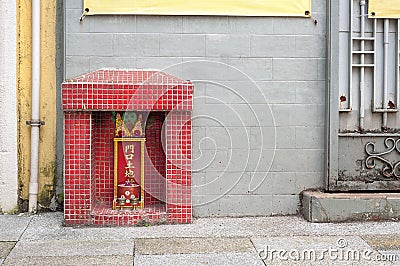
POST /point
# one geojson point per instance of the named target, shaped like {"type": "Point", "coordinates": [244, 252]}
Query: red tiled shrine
{"type": "Point", "coordinates": [155, 109]}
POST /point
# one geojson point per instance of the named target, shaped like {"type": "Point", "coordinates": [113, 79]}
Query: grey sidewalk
{"type": "Point", "coordinates": [42, 240]}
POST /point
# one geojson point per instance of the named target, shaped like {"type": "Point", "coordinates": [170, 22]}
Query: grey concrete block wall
{"type": "Point", "coordinates": [258, 114]}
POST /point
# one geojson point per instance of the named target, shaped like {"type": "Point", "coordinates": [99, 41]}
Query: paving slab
{"type": "Point", "coordinates": [49, 226]}
{"type": "Point", "coordinates": [5, 249]}
{"type": "Point", "coordinates": [383, 242]}
{"type": "Point", "coordinates": [391, 256]}
{"type": "Point", "coordinates": [312, 250]}
{"type": "Point", "coordinates": [13, 226]}
{"type": "Point", "coordinates": [71, 261]}
{"type": "Point", "coordinates": [159, 246]}
{"type": "Point", "coordinates": [247, 259]}
{"type": "Point", "coordinates": [72, 248]}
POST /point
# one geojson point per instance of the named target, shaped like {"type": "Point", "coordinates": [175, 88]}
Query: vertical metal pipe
{"type": "Point", "coordinates": [35, 122]}
{"type": "Point", "coordinates": [350, 91]}
{"type": "Point", "coordinates": [385, 70]}
{"type": "Point", "coordinates": [362, 69]}
{"type": "Point", "coordinates": [375, 68]}
{"type": "Point", "coordinates": [398, 65]}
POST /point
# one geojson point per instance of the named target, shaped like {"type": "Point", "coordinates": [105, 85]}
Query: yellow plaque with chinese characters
{"type": "Point", "coordinates": [128, 173]}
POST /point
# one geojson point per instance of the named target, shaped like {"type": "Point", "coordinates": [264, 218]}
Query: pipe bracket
{"type": "Point", "coordinates": [35, 123]}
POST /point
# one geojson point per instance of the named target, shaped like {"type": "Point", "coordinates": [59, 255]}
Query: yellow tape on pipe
{"type": "Point", "coordinates": [200, 7]}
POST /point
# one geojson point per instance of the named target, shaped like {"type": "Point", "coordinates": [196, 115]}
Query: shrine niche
{"type": "Point", "coordinates": [127, 148]}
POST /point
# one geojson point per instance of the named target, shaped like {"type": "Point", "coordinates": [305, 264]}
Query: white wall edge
{"type": "Point", "coordinates": [8, 107]}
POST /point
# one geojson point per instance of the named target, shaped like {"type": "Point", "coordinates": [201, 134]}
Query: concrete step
{"type": "Point", "coordinates": [322, 207]}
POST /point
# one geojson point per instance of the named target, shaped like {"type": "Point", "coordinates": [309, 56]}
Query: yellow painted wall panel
{"type": "Point", "coordinates": [47, 150]}
{"type": "Point", "coordinates": [384, 8]}
{"type": "Point", "coordinates": [198, 7]}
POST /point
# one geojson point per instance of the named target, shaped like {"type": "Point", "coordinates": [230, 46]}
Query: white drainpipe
{"type": "Point", "coordinates": [35, 123]}
{"type": "Point", "coordinates": [362, 69]}
{"type": "Point", "coordinates": [385, 71]}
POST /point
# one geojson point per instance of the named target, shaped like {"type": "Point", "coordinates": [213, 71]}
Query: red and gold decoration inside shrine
{"type": "Point", "coordinates": [129, 161]}
{"type": "Point", "coordinates": [127, 148]}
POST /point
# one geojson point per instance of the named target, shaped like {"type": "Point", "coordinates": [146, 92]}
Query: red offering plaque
{"type": "Point", "coordinates": [128, 173]}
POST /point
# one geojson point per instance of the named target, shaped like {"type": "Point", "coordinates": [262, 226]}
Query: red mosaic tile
{"type": "Point", "coordinates": [89, 132]}
{"type": "Point", "coordinates": [127, 90]}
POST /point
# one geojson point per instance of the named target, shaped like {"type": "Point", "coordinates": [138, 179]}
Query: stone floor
{"type": "Point", "coordinates": [288, 240]}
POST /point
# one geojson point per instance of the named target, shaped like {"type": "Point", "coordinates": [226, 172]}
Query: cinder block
{"type": "Point", "coordinates": [274, 92]}
{"type": "Point", "coordinates": [263, 138]}
{"type": "Point", "coordinates": [198, 181]}
{"type": "Point", "coordinates": [296, 69]}
{"type": "Point", "coordinates": [257, 115]}
{"type": "Point", "coordinates": [298, 161]}
{"type": "Point", "coordinates": [310, 160]}
{"type": "Point", "coordinates": [227, 137]}
{"type": "Point", "coordinates": [258, 160]}
{"type": "Point", "coordinates": [206, 70]}
{"type": "Point", "coordinates": [85, 44]}
{"type": "Point", "coordinates": [309, 181]}
{"type": "Point", "coordinates": [76, 65]}
{"type": "Point", "coordinates": [272, 137]}
{"type": "Point", "coordinates": [233, 115]}
{"type": "Point", "coordinates": [72, 24]}
{"type": "Point", "coordinates": [205, 24]}
{"type": "Point", "coordinates": [198, 134]}
{"type": "Point", "coordinates": [299, 26]}
{"type": "Point", "coordinates": [253, 69]}
{"type": "Point", "coordinates": [285, 161]}
{"type": "Point", "coordinates": [285, 137]}
{"type": "Point", "coordinates": [311, 92]}
{"type": "Point", "coordinates": [225, 183]}
{"type": "Point", "coordinates": [283, 183]}
{"type": "Point", "coordinates": [97, 62]}
{"type": "Point", "coordinates": [228, 92]}
{"type": "Point", "coordinates": [232, 205]}
{"type": "Point", "coordinates": [74, 4]}
{"type": "Point", "coordinates": [159, 24]}
{"type": "Point", "coordinates": [250, 25]}
{"type": "Point", "coordinates": [167, 64]}
{"type": "Point", "coordinates": [136, 45]}
{"type": "Point", "coordinates": [311, 46]}
{"type": "Point", "coordinates": [273, 46]}
{"type": "Point", "coordinates": [310, 137]}
{"type": "Point", "coordinates": [211, 160]}
{"type": "Point", "coordinates": [182, 45]}
{"type": "Point", "coordinates": [298, 115]}
{"type": "Point", "coordinates": [260, 183]}
{"type": "Point", "coordinates": [252, 183]}
{"type": "Point", "coordinates": [223, 45]}
{"type": "Point", "coordinates": [285, 204]}
{"type": "Point", "coordinates": [112, 24]}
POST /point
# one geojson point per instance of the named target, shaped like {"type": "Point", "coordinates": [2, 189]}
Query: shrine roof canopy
{"type": "Point", "coordinates": [127, 89]}
{"type": "Point", "coordinates": [128, 76]}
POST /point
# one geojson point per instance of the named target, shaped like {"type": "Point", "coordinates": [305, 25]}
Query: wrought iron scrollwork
{"type": "Point", "coordinates": [390, 169]}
